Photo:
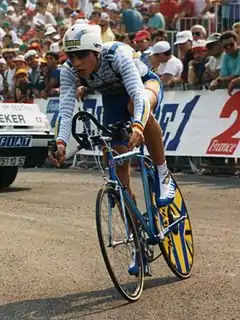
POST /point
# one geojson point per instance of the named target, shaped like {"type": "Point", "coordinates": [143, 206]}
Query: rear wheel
{"type": "Point", "coordinates": [114, 229]}
{"type": "Point", "coordinates": [7, 176]}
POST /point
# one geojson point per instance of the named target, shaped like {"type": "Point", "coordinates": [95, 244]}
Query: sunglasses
{"type": "Point", "coordinates": [228, 45]}
{"type": "Point", "coordinates": [8, 57]}
{"type": "Point", "coordinates": [196, 34]}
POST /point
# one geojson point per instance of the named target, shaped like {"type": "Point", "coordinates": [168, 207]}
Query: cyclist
{"type": "Point", "coordinates": [128, 90]}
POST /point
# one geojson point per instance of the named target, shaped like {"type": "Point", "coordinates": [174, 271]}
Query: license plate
{"type": "Point", "coordinates": [12, 161]}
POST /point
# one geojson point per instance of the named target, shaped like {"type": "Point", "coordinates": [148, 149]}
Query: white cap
{"type": "Point", "coordinates": [30, 53]}
{"type": "Point", "coordinates": [10, 8]}
{"type": "Point", "coordinates": [159, 47]}
{"type": "Point", "coordinates": [183, 36]}
{"type": "Point", "coordinates": [3, 61]}
{"type": "Point", "coordinates": [104, 16]}
{"type": "Point", "coordinates": [113, 7]}
{"type": "Point", "coordinates": [39, 23]}
{"type": "Point", "coordinates": [19, 58]}
{"type": "Point", "coordinates": [199, 44]}
{"type": "Point", "coordinates": [50, 30]}
{"type": "Point", "coordinates": [54, 47]}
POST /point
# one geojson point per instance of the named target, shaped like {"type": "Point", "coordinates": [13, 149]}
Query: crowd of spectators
{"type": "Point", "coordinates": [31, 33]}
{"type": "Point", "coordinates": [188, 43]}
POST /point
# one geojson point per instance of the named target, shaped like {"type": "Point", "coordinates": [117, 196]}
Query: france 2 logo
{"type": "Point", "coordinates": [225, 143]}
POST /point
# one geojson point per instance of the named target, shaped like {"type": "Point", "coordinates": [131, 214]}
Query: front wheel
{"type": "Point", "coordinates": [7, 176]}
{"type": "Point", "coordinates": [177, 247]}
{"type": "Point", "coordinates": [118, 238]}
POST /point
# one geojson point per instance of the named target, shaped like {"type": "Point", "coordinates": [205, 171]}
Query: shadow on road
{"type": "Point", "coordinates": [73, 306]}
{"type": "Point", "coordinates": [14, 189]}
{"type": "Point", "coordinates": [208, 181]}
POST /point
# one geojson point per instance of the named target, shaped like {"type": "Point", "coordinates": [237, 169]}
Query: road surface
{"type": "Point", "coordinates": [51, 266]}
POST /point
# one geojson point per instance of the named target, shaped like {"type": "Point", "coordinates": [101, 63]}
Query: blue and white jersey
{"type": "Point", "coordinates": [119, 71]}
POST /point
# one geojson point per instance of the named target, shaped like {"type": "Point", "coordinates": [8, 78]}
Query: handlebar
{"type": "Point", "coordinates": [118, 131]}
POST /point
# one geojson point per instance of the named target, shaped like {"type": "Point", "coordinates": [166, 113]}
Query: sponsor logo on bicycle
{"type": "Point", "coordinates": [226, 143]}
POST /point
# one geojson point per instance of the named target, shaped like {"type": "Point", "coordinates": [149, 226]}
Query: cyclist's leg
{"type": "Point", "coordinates": [116, 109]}
{"type": "Point", "coordinates": [154, 142]}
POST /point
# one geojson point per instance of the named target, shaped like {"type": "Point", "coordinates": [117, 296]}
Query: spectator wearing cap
{"type": "Point", "coordinates": [231, 61]}
{"type": "Point", "coordinates": [132, 20]}
{"type": "Point", "coordinates": [36, 45]}
{"type": "Point", "coordinates": [52, 76]}
{"type": "Point", "coordinates": [32, 60]}
{"type": "Point", "coordinates": [183, 42]}
{"type": "Point", "coordinates": [215, 53]}
{"type": "Point", "coordinates": [197, 65]}
{"type": "Point", "coordinates": [198, 32]}
{"type": "Point", "coordinates": [106, 31]}
{"type": "Point", "coordinates": [20, 62]}
{"type": "Point", "coordinates": [9, 55]}
{"type": "Point", "coordinates": [40, 28]}
{"type": "Point", "coordinates": [22, 87]}
{"type": "Point", "coordinates": [142, 42]}
{"type": "Point", "coordinates": [156, 20]}
{"type": "Point", "coordinates": [115, 19]}
{"type": "Point", "coordinates": [44, 15]}
{"type": "Point", "coordinates": [186, 9]}
{"type": "Point", "coordinates": [8, 30]}
{"type": "Point", "coordinates": [166, 65]}
{"type": "Point", "coordinates": [3, 67]}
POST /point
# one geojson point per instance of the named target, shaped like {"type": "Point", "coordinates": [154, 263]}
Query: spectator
{"type": "Point", "coordinates": [184, 41]}
{"type": "Point", "coordinates": [165, 64]}
{"type": "Point", "coordinates": [215, 53]}
{"type": "Point", "coordinates": [156, 20]}
{"type": "Point", "coordinates": [132, 20]}
{"type": "Point", "coordinates": [142, 42]}
{"type": "Point", "coordinates": [20, 62]}
{"type": "Point", "coordinates": [159, 35]}
{"type": "Point", "coordinates": [7, 41]}
{"type": "Point", "coordinates": [115, 20]}
{"type": "Point", "coordinates": [196, 66]}
{"type": "Point", "coordinates": [22, 86]}
{"type": "Point", "coordinates": [32, 60]}
{"type": "Point", "coordinates": [186, 11]}
{"type": "Point", "coordinates": [39, 28]}
{"type": "Point", "coordinates": [9, 54]}
{"type": "Point", "coordinates": [198, 32]}
{"type": "Point", "coordinates": [169, 9]}
{"type": "Point", "coordinates": [106, 31]}
{"type": "Point", "coordinates": [3, 67]}
{"type": "Point", "coordinates": [44, 15]}
{"type": "Point", "coordinates": [52, 76]}
{"type": "Point", "coordinates": [236, 29]}
{"type": "Point", "coordinates": [95, 17]}
{"type": "Point", "coordinates": [231, 60]}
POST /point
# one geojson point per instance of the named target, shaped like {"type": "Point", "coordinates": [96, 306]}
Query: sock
{"type": "Point", "coordinates": [162, 170]}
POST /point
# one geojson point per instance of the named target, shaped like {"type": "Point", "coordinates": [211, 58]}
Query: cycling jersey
{"type": "Point", "coordinates": [119, 72]}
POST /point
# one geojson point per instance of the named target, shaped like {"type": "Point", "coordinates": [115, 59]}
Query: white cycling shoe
{"type": "Point", "coordinates": [167, 190]}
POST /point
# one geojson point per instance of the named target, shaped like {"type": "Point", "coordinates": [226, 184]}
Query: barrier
{"type": "Point", "coordinates": [194, 123]}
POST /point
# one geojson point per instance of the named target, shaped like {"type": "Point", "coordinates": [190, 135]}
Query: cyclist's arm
{"type": "Point", "coordinates": [68, 84]}
{"type": "Point", "coordinates": [124, 64]}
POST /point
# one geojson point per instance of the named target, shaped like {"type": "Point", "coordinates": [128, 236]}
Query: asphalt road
{"type": "Point", "coordinates": [51, 266]}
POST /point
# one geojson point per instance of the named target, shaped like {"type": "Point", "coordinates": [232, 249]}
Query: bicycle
{"type": "Point", "coordinates": [171, 221]}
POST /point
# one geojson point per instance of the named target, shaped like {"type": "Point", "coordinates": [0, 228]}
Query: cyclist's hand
{"type": "Point", "coordinates": [80, 93]}
{"type": "Point", "coordinates": [58, 157]}
{"type": "Point", "coordinates": [136, 138]}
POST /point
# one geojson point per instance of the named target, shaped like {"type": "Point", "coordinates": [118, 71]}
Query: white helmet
{"type": "Point", "coordinates": [82, 36]}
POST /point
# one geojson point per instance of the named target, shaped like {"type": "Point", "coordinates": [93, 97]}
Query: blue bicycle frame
{"type": "Point", "coordinates": [149, 228]}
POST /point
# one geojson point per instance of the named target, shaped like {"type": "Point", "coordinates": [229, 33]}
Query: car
{"type": "Point", "coordinates": [25, 136]}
